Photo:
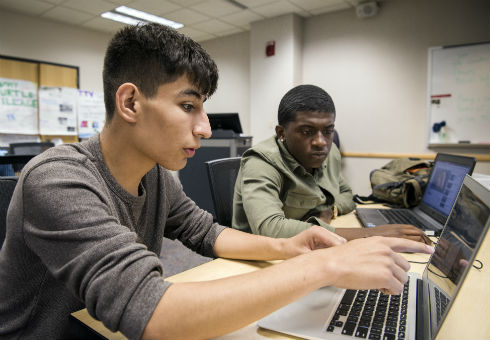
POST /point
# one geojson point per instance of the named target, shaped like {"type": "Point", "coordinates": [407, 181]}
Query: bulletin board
{"type": "Point", "coordinates": [18, 78]}
{"type": "Point", "coordinates": [458, 108]}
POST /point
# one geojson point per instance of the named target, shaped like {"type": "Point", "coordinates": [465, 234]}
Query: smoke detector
{"type": "Point", "coordinates": [367, 9]}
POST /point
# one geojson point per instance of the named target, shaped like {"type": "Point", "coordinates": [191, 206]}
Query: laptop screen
{"type": "Point", "coordinates": [457, 245]}
{"type": "Point", "coordinates": [444, 185]}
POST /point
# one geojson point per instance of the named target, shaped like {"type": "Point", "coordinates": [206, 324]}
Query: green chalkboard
{"type": "Point", "coordinates": [459, 95]}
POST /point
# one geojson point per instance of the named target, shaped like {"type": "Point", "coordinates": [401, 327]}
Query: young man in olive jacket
{"type": "Point", "coordinates": [292, 181]}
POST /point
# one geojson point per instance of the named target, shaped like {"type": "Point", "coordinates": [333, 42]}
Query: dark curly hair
{"type": "Point", "coordinates": [151, 55]}
{"type": "Point", "coordinates": [309, 98]}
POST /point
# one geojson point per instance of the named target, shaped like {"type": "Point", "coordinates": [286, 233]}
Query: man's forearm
{"type": "Point", "coordinates": [212, 308]}
{"type": "Point", "coordinates": [236, 244]}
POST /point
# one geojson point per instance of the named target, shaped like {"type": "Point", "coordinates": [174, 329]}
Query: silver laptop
{"type": "Point", "coordinates": [439, 196]}
{"type": "Point", "coordinates": [419, 312]}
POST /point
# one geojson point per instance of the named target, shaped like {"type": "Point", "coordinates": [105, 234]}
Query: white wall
{"type": "Point", "coordinates": [32, 38]}
{"type": "Point", "coordinates": [271, 77]}
{"type": "Point", "coordinates": [232, 56]}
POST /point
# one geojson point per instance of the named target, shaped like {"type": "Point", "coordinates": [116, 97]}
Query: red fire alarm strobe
{"type": "Point", "coordinates": [270, 48]}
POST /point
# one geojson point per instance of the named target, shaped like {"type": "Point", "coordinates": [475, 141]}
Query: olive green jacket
{"type": "Point", "coordinates": [274, 193]}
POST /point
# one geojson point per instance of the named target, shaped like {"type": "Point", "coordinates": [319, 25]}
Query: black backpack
{"type": "Point", "coordinates": [401, 182]}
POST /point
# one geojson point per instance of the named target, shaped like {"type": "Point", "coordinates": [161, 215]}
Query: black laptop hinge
{"type": "Point", "coordinates": [420, 323]}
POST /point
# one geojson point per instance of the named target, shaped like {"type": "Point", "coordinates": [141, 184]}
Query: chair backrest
{"type": "Point", "coordinates": [7, 186]}
{"type": "Point", "coordinates": [222, 175]}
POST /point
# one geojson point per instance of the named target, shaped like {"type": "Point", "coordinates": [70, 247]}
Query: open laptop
{"type": "Point", "coordinates": [441, 191]}
{"type": "Point", "coordinates": [334, 313]}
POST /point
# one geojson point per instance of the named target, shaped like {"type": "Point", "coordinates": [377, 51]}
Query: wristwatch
{"type": "Point", "coordinates": [335, 212]}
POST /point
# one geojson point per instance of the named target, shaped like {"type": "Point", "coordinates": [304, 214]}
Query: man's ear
{"type": "Point", "coordinates": [126, 96]}
{"type": "Point", "coordinates": [279, 131]}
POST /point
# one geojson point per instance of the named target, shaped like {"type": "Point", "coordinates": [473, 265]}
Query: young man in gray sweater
{"type": "Point", "coordinates": [86, 220]}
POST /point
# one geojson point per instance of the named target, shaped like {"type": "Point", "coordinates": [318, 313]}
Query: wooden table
{"type": "Point", "coordinates": [472, 301]}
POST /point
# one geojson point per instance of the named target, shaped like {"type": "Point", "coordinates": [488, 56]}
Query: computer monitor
{"type": "Point", "coordinates": [225, 121]}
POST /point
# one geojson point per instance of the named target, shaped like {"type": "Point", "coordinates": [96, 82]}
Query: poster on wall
{"type": "Point", "coordinates": [18, 106]}
{"type": "Point", "coordinates": [91, 113]}
{"type": "Point", "coordinates": [57, 110]}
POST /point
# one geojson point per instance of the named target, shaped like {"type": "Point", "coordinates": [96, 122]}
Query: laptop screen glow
{"type": "Point", "coordinates": [456, 248]}
{"type": "Point", "coordinates": [444, 186]}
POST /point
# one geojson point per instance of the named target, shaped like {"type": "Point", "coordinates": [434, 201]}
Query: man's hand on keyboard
{"type": "Point", "coordinates": [399, 230]}
{"type": "Point", "coordinates": [372, 263]}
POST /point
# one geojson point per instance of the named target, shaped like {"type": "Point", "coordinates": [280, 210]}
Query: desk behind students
{"type": "Point", "coordinates": [477, 281]}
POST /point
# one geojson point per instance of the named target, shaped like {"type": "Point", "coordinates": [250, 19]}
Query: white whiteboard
{"type": "Point", "coordinates": [459, 94]}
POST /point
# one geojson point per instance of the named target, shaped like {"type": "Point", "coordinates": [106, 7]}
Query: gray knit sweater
{"type": "Point", "coordinates": [76, 238]}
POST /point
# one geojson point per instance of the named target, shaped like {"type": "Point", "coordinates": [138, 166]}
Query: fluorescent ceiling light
{"type": "Point", "coordinates": [148, 17]}
{"type": "Point", "coordinates": [121, 18]}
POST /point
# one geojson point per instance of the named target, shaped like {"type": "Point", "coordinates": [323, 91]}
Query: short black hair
{"type": "Point", "coordinates": [308, 98]}
{"type": "Point", "coordinates": [151, 55]}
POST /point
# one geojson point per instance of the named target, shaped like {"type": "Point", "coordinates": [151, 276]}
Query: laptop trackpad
{"type": "Point", "coordinates": [306, 317]}
{"type": "Point", "coordinates": [370, 217]}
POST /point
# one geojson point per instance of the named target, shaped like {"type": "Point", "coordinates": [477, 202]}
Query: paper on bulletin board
{"type": "Point", "coordinates": [91, 113]}
{"type": "Point", "coordinates": [57, 110]}
{"type": "Point", "coordinates": [18, 106]}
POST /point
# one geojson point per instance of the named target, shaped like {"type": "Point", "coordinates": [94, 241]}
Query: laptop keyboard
{"type": "Point", "coordinates": [401, 216]}
{"type": "Point", "coordinates": [441, 304]}
{"type": "Point", "coordinates": [370, 314]}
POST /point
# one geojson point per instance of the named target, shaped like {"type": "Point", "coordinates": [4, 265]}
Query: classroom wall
{"type": "Point", "coordinates": [376, 71]}
{"type": "Point", "coordinates": [32, 38]}
{"type": "Point", "coordinates": [231, 54]}
{"type": "Point", "coordinates": [272, 76]}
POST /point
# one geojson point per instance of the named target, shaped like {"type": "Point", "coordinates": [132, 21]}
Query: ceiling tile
{"type": "Point", "coordinates": [309, 5]}
{"type": "Point", "coordinates": [242, 18]}
{"type": "Point", "coordinates": [216, 8]}
{"type": "Point", "coordinates": [204, 37]}
{"type": "Point", "coordinates": [257, 3]}
{"type": "Point", "coordinates": [354, 2]}
{"type": "Point", "coordinates": [213, 26]}
{"type": "Point", "coordinates": [156, 7]}
{"type": "Point", "coordinates": [332, 8]}
{"type": "Point", "coordinates": [189, 31]}
{"type": "Point", "coordinates": [187, 16]}
{"type": "Point", "coordinates": [196, 34]}
{"type": "Point", "coordinates": [67, 15]}
{"type": "Point", "coordinates": [186, 3]}
{"type": "Point", "coordinates": [30, 7]}
{"type": "Point", "coordinates": [204, 19]}
{"type": "Point", "coordinates": [276, 9]}
{"type": "Point", "coordinates": [54, 2]}
{"type": "Point", "coordinates": [230, 32]}
{"type": "Point", "coordinates": [95, 7]}
{"type": "Point", "coordinates": [119, 2]}
{"type": "Point", "coordinates": [105, 25]}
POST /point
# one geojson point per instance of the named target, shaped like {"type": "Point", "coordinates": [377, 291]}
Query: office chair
{"type": "Point", "coordinates": [7, 186]}
{"type": "Point", "coordinates": [28, 148]}
{"type": "Point", "coordinates": [222, 174]}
